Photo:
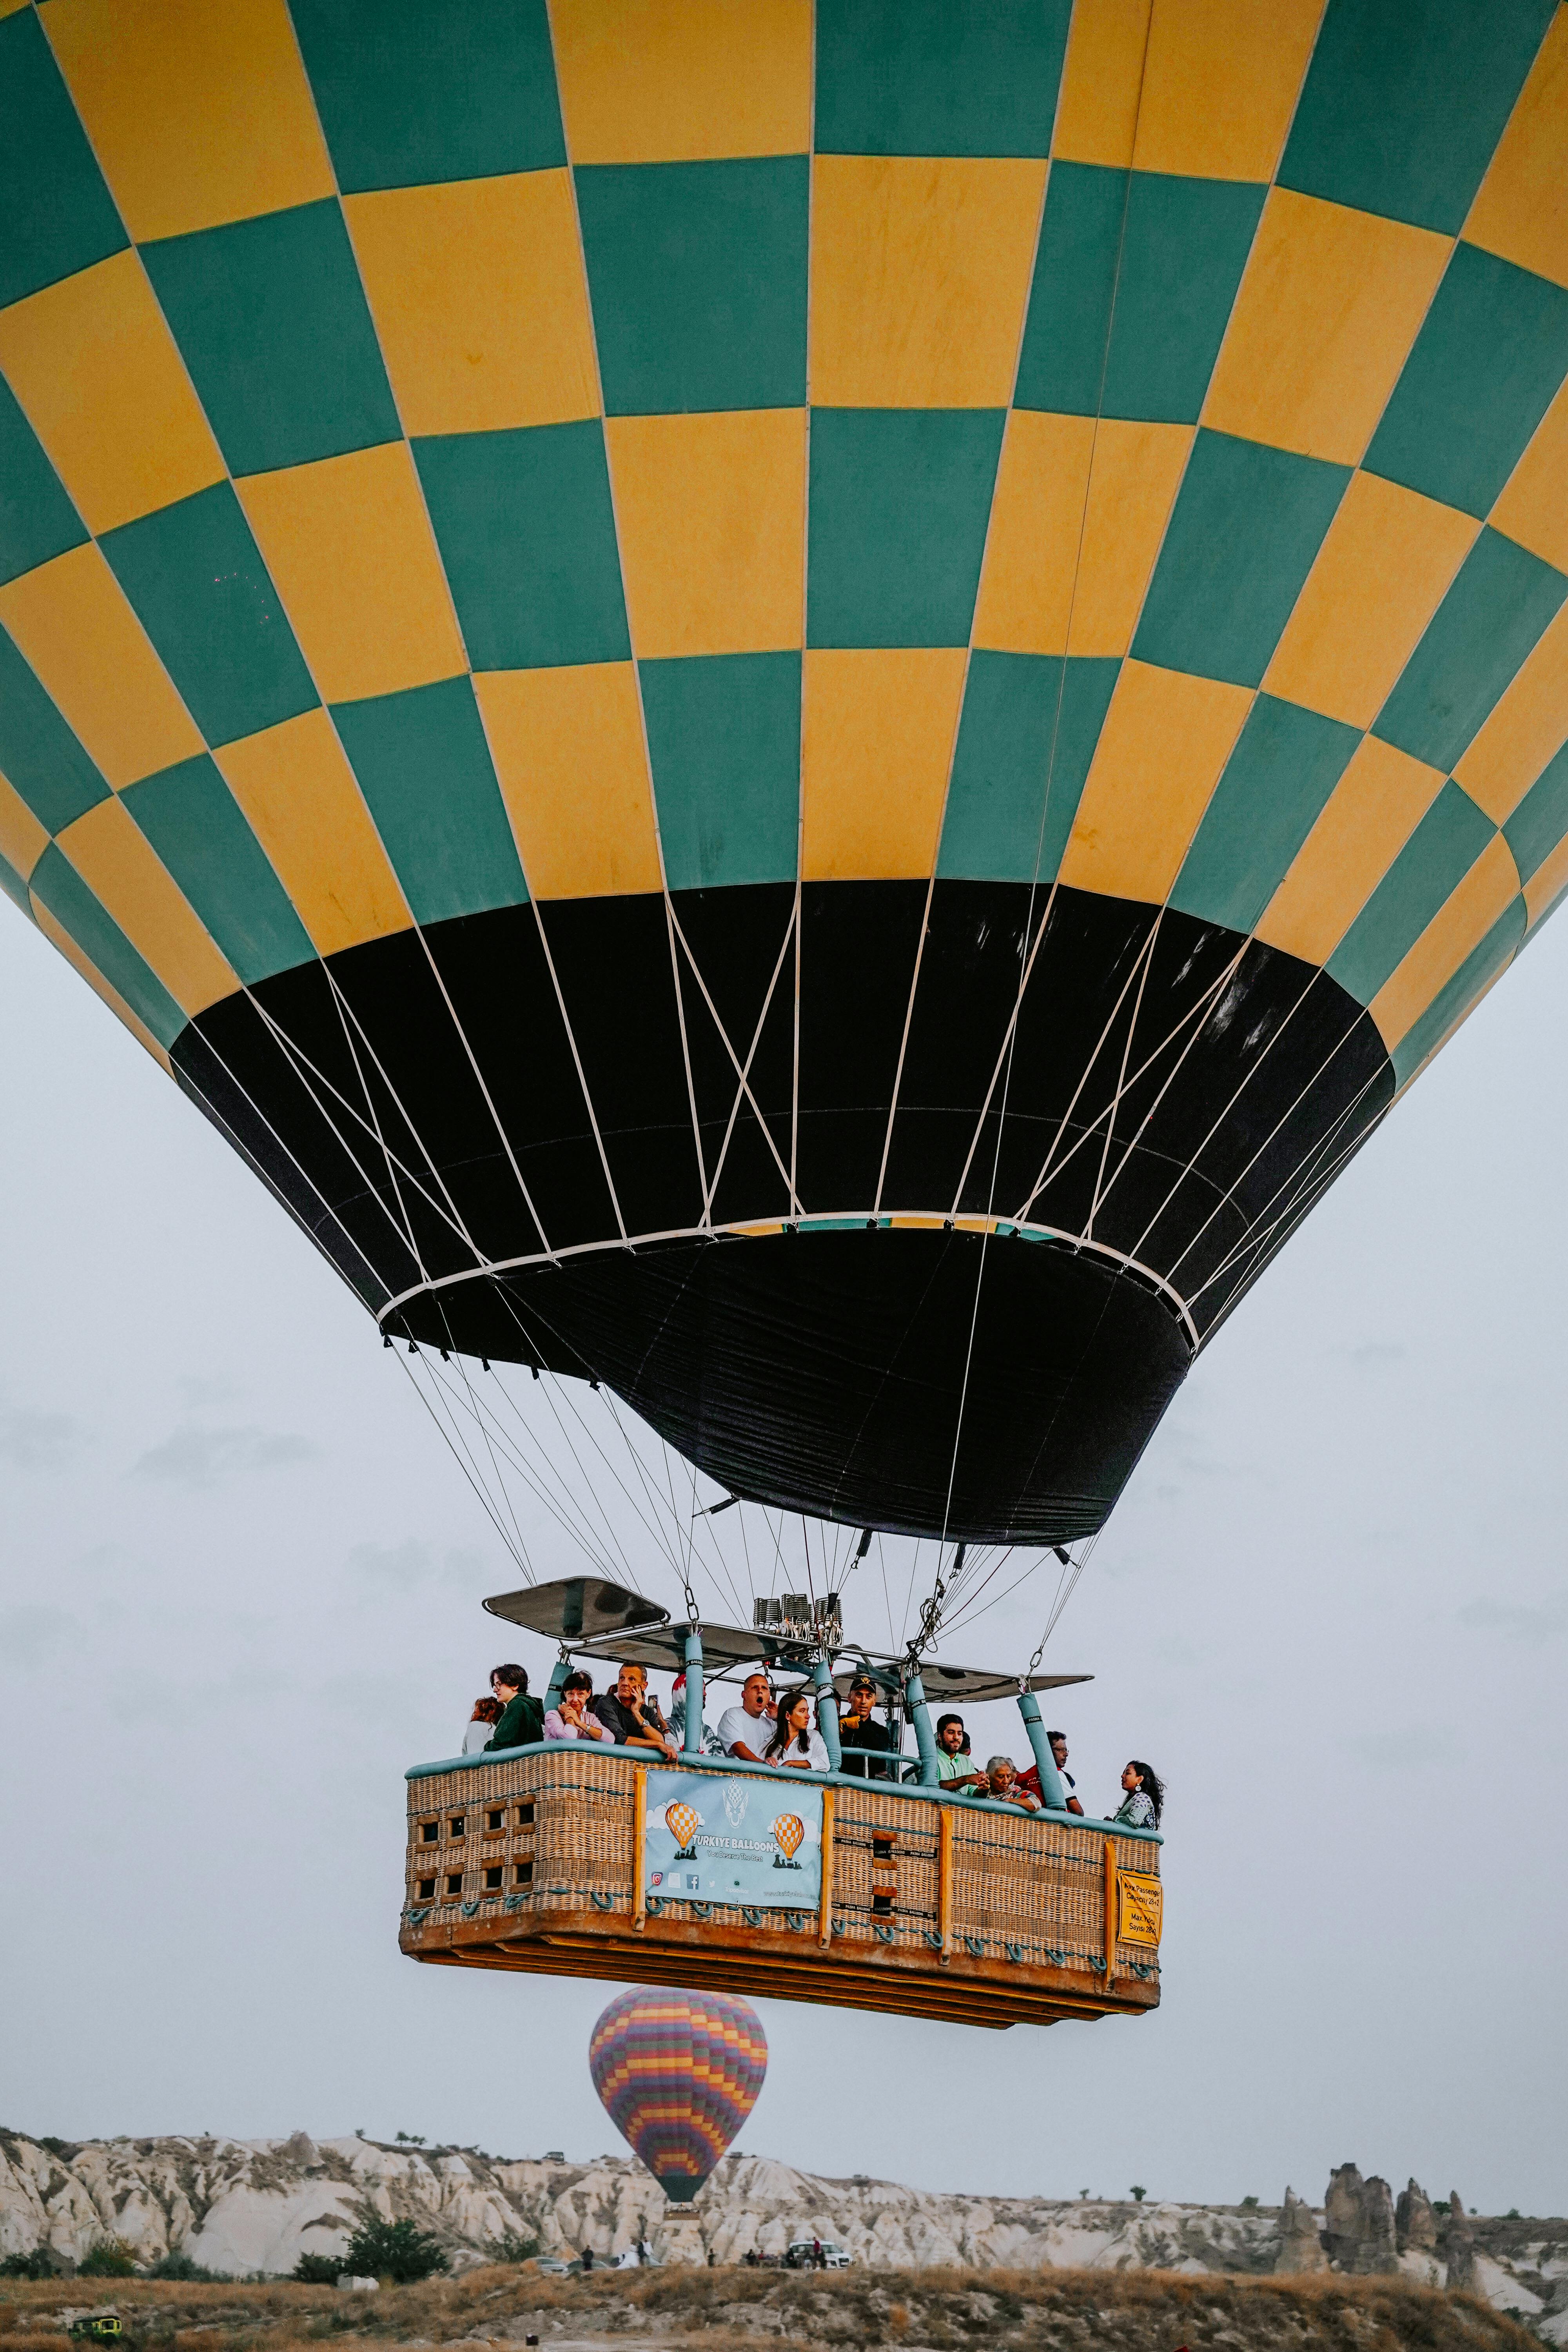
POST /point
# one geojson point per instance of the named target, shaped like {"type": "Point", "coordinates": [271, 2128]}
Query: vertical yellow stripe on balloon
{"type": "Point", "coordinates": [197, 114]}
{"type": "Point", "coordinates": [23, 840]}
{"type": "Point", "coordinates": [1165, 740]}
{"type": "Point", "coordinates": [1532, 507]}
{"type": "Point", "coordinates": [568, 749]}
{"type": "Point", "coordinates": [298, 791]}
{"type": "Point", "coordinates": [1489, 887]}
{"type": "Point", "coordinates": [56, 931]}
{"type": "Point", "coordinates": [1520, 209]}
{"type": "Point", "coordinates": [71, 620]}
{"type": "Point", "coordinates": [920, 273]}
{"type": "Point", "coordinates": [1220, 84]}
{"type": "Point", "coordinates": [1528, 727]}
{"type": "Point", "coordinates": [710, 510]}
{"type": "Point", "coordinates": [117, 862]}
{"type": "Point", "coordinates": [1374, 810]}
{"type": "Point", "coordinates": [1546, 884]}
{"type": "Point", "coordinates": [94, 365]}
{"type": "Point", "coordinates": [1132, 485]}
{"type": "Point", "coordinates": [1384, 567]}
{"type": "Point", "coordinates": [675, 82]}
{"type": "Point", "coordinates": [878, 738]}
{"type": "Point", "coordinates": [1097, 111]}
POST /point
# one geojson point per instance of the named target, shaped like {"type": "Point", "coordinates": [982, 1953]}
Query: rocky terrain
{"type": "Point", "coordinates": [248, 2208]}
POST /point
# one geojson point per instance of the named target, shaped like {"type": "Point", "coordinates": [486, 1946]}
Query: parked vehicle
{"type": "Point", "coordinates": [803, 2255]}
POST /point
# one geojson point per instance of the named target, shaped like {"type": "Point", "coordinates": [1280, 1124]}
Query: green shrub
{"type": "Point", "coordinates": [179, 2266]}
{"type": "Point", "coordinates": [319, 2270]}
{"type": "Point", "coordinates": [110, 2258]}
{"type": "Point", "coordinates": [35, 2266]}
{"type": "Point", "coordinates": [514, 2247]}
{"type": "Point", "coordinates": [396, 2250]}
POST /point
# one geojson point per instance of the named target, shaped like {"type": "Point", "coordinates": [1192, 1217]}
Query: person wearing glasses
{"type": "Point", "coordinates": [859, 1729]}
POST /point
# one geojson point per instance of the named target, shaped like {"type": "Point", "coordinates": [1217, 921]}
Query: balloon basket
{"type": "Point", "coordinates": [678, 2240]}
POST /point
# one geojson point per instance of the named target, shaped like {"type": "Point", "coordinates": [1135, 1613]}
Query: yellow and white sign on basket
{"type": "Point", "coordinates": [1139, 1901]}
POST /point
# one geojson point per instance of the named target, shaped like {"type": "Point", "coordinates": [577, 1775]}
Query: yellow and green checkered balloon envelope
{"type": "Point", "coordinates": [805, 706]}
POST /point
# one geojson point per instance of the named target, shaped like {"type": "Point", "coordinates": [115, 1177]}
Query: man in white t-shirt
{"type": "Point", "coordinates": [744, 1730]}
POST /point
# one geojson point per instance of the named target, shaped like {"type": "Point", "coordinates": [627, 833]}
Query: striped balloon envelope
{"type": "Point", "coordinates": [678, 2073]}
{"type": "Point", "coordinates": [704, 665]}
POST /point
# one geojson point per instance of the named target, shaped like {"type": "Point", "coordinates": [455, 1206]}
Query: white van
{"type": "Point", "coordinates": [802, 2255]}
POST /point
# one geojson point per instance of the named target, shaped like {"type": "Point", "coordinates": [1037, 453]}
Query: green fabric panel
{"type": "Point", "coordinates": [1061, 367]}
{"type": "Point", "coordinates": [272, 322]}
{"type": "Point", "coordinates": [1481, 967]}
{"type": "Point", "coordinates": [1027, 734]}
{"type": "Point", "coordinates": [15, 888]}
{"type": "Point", "coordinates": [412, 91]}
{"type": "Point", "coordinates": [1286, 763]}
{"type": "Point", "coordinates": [195, 578]}
{"type": "Point", "coordinates": [698, 273]}
{"type": "Point", "coordinates": [723, 735]}
{"type": "Point", "coordinates": [58, 215]}
{"type": "Point", "coordinates": [1498, 604]}
{"type": "Point", "coordinates": [37, 519]}
{"type": "Point", "coordinates": [200, 832]}
{"type": "Point", "coordinates": [900, 499]}
{"type": "Point", "coordinates": [39, 755]}
{"type": "Point", "coordinates": [527, 535]}
{"type": "Point", "coordinates": [1478, 379]}
{"type": "Point", "coordinates": [930, 78]}
{"type": "Point", "coordinates": [1186, 248]}
{"type": "Point", "coordinates": [1540, 820]}
{"type": "Point", "coordinates": [1405, 99]}
{"type": "Point", "coordinates": [1248, 525]}
{"type": "Point", "coordinates": [424, 768]}
{"type": "Point", "coordinates": [58, 886]}
{"type": "Point", "coordinates": [1427, 870]}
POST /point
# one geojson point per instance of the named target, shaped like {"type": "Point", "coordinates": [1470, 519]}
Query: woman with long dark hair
{"type": "Point", "coordinates": [796, 1741]}
{"type": "Point", "coordinates": [1145, 1798]}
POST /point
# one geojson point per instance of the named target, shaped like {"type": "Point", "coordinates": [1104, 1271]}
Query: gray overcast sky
{"type": "Point", "coordinates": [239, 1585]}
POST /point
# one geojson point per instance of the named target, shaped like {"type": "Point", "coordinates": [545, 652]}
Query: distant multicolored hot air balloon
{"type": "Point", "coordinates": [678, 2073]}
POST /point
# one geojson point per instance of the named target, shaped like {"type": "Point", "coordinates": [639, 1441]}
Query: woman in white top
{"type": "Point", "coordinates": [481, 1723]}
{"type": "Point", "coordinates": [570, 1719]}
{"type": "Point", "coordinates": [797, 1743]}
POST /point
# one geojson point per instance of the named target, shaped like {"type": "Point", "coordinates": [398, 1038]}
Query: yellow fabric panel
{"type": "Point", "coordinates": [1096, 112]}
{"type": "Point", "coordinates": [125, 875]}
{"type": "Point", "coordinates": [1546, 884]}
{"type": "Point", "coordinates": [1220, 84]}
{"type": "Point", "coordinates": [71, 620]}
{"type": "Point", "coordinates": [568, 749]}
{"type": "Point", "coordinates": [1462, 923]}
{"type": "Point", "coordinates": [199, 113]}
{"type": "Point", "coordinates": [298, 791]}
{"type": "Point", "coordinates": [99, 985]}
{"type": "Point", "coordinates": [1526, 729]}
{"type": "Point", "coordinates": [1375, 808]}
{"type": "Point", "coordinates": [478, 297]}
{"type": "Point", "coordinates": [1330, 304]}
{"type": "Point", "coordinates": [1165, 739]}
{"type": "Point", "coordinates": [1521, 206]}
{"type": "Point", "coordinates": [670, 82]}
{"type": "Point", "coordinates": [351, 554]}
{"type": "Point", "coordinates": [879, 734]}
{"type": "Point", "coordinates": [711, 515]}
{"type": "Point", "coordinates": [920, 273]}
{"type": "Point", "coordinates": [1533, 507]}
{"type": "Point", "coordinates": [94, 365]}
{"type": "Point", "coordinates": [1044, 532]}
{"type": "Point", "coordinates": [1381, 574]}
{"type": "Point", "coordinates": [23, 840]}
{"type": "Point", "coordinates": [9, 7]}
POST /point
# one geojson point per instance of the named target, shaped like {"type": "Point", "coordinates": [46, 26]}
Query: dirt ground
{"type": "Point", "coordinates": [920, 2311]}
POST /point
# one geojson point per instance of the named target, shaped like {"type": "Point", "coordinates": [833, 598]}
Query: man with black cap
{"type": "Point", "coordinates": [857, 1729]}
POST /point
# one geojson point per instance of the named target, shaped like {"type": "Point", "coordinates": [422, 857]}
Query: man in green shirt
{"type": "Point", "coordinates": [955, 1770]}
{"type": "Point", "coordinates": [521, 1721]}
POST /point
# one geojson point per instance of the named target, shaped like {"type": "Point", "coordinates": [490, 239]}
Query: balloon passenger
{"type": "Point", "coordinates": [955, 1767]}
{"type": "Point", "coordinates": [1031, 1779]}
{"type": "Point", "coordinates": [570, 1718]}
{"type": "Point", "coordinates": [481, 1723]}
{"type": "Point", "coordinates": [744, 1730]}
{"type": "Point", "coordinates": [631, 1715]}
{"type": "Point", "coordinates": [858, 1729]}
{"type": "Point", "coordinates": [1004, 1786]}
{"type": "Point", "coordinates": [1145, 1798]}
{"type": "Point", "coordinates": [521, 1722]}
{"type": "Point", "coordinates": [796, 1742]}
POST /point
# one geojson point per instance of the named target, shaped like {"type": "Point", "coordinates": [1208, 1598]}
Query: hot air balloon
{"type": "Point", "coordinates": [678, 2073]}
{"type": "Point", "coordinates": [800, 708]}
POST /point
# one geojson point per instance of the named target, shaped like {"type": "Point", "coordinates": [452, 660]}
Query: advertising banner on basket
{"type": "Point", "coordinates": [1139, 1907]}
{"type": "Point", "coordinates": [723, 1837]}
